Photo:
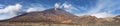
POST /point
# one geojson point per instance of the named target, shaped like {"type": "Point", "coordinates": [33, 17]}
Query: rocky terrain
{"type": "Point", "coordinates": [60, 16]}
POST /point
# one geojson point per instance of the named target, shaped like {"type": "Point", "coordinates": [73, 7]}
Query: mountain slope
{"type": "Point", "coordinates": [49, 15]}
{"type": "Point", "coordinates": [59, 12]}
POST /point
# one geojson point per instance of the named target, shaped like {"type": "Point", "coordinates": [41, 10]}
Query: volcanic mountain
{"type": "Point", "coordinates": [49, 15]}
{"type": "Point", "coordinates": [59, 16]}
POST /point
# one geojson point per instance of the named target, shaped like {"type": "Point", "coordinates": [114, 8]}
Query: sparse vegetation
{"type": "Point", "coordinates": [54, 24]}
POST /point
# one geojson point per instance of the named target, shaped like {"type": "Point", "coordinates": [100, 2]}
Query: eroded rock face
{"type": "Point", "coordinates": [92, 19]}
{"type": "Point", "coordinates": [85, 19]}
{"type": "Point", "coordinates": [66, 21]}
{"type": "Point", "coordinates": [117, 18]}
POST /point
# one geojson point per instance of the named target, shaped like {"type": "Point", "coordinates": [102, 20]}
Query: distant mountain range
{"type": "Point", "coordinates": [60, 16]}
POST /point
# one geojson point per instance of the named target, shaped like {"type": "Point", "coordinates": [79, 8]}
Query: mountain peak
{"type": "Point", "coordinates": [48, 15]}
{"type": "Point", "coordinates": [59, 12]}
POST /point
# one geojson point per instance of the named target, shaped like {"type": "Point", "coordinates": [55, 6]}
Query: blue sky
{"type": "Point", "coordinates": [98, 8]}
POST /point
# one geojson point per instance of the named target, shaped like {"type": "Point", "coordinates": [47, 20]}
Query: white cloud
{"type": "Point", "coordinates": [107, 5]}
{"type": "Point", "coordinates": [37, 7]}
{"type": "Point", "coordinates": [10, 11]}
{"type": "Point", "coordinates": [101, 15]}
{"type": "Point", "coordinates": [96, 11]}
{"type": "Point", "coordinates": [103, 8]}
{"type": "Point", "coordinates": [67, 6]}
{"type": "Point", "coordinates": [57, 5]}
{"type": "Point", "coordinates": [32, 10]}
{"type": "Point", "coordinates": [102, 4]}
